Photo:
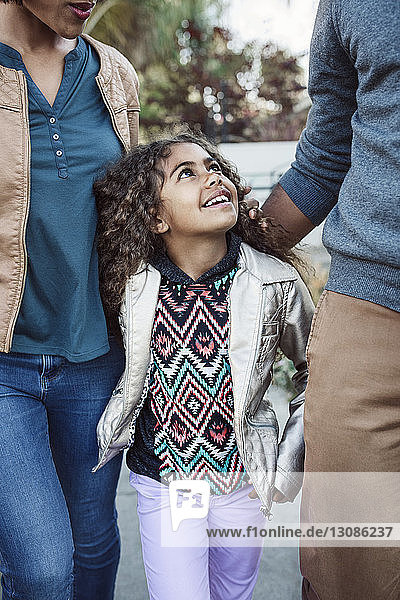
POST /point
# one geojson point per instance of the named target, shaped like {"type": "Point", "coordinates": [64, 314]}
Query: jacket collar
{"type": "Point", "coordinates": [106, 68]}
{"type": "Point", "coordinates": [266, 268]}
{"type": "Point", "coordinates": [106, 64]}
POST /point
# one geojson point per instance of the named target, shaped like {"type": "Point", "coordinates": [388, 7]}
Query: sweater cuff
{"type": "Point", "coordinates": [314, 201]}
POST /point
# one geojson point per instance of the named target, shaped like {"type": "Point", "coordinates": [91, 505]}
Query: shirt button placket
{"type": "Point", "coordinates": [58, 148]}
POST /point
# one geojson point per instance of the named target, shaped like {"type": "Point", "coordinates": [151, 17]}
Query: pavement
{"type": "Point", "coordinates": [279, 576]}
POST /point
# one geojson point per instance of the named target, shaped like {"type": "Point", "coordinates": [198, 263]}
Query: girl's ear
{"type": "Point", "coordinates": [159, 225]}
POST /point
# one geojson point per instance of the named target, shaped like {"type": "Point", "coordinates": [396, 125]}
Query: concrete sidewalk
{"type": "Point", "coordinates": [279, 577]}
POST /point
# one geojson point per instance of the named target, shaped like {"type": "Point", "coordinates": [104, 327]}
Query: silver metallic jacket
{"type": "Point", "coordinates": [270, 307]}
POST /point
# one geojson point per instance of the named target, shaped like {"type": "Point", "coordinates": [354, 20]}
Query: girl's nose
{"type": "Point", "coordinates": [214, 179]}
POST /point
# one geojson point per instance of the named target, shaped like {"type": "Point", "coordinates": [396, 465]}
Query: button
{"type": "Point", "coordinates": [52, 120]}
{"type": "Point", "coordinates": [56, 136]}
{"type": "Point", "coordinates": [59, 152]}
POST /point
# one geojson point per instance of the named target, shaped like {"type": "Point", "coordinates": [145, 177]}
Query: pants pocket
{"type": "Point", "coordinates": [315, 324]}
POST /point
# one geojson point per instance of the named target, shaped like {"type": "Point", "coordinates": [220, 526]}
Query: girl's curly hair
{"type": "Point", "coordinates": [128, 200]}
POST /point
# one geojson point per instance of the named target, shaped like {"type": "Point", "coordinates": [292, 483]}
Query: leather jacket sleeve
{"type": "Point", "coordinates": [297, 323]}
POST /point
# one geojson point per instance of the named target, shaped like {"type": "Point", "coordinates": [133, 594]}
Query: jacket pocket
{"type": "Point", "coordinates": [11, 108]}
{"type": "Point", "coordinates": [263, 417]}
{"type": "Point", "coordinates": [313, 329]}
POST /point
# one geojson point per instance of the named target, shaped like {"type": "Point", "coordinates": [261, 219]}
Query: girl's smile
{"type": "Point", "coordinates": [218, 198]}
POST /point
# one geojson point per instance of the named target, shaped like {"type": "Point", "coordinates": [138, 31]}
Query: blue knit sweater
{"type": "Point", "coordinates": [347, 165]}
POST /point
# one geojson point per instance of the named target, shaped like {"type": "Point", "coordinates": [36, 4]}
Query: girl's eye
{"type": "Point", "coordinates": [188, 172]}
{"type": "Point", "coordinates": [185, 173]}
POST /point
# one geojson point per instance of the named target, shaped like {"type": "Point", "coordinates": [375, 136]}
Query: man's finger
{"type": "Point", "coordinates": [253, 213]}
{"type": "Point", "coordinates": [252, 203]}
{"type": "Point", "coordinates": [279, 497]}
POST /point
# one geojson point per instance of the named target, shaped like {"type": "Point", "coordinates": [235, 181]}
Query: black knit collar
{"type": "Point", "coordinates": [168, 269]}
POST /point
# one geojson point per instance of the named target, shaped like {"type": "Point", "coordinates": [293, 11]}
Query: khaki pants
{"type": "Point", "coordinates": [352, 424]}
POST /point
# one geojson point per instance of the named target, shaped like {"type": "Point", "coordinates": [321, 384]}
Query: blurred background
{"type": "Point", "coordinates": [234, 69]}
{"type": "Point", "coordinates": [237, 71]}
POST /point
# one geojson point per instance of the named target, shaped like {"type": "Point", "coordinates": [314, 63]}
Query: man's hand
{"type": "Point", "coordinates": [280, 209]}
{"type": "Point", "coordinates": [277, 496]}
{"type": "Point", "coordinates": [253, 207]}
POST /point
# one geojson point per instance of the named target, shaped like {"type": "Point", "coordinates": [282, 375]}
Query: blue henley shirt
{"type": "Point", "coordinates": [61, 311]}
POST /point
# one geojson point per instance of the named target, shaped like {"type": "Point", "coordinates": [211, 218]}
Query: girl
{"type": "Point", "coordinates": [205, 297]}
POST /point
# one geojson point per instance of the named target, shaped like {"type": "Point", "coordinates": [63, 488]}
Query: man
{"type": "Point", "coordinates": [68, 105]}
{"type": "Point", "coordinates": [347, 169]}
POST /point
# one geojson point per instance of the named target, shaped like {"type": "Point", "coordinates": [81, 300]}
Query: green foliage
{"type": "Point", "coordinates": [192, 71]}
{"type": "Point", "coordinates": [283, 372]}
{"type": "Point", "coordinates": [145, 32]}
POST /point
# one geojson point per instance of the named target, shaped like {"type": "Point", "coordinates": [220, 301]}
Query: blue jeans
{"type": "Point", "coordinates": [58, 532]}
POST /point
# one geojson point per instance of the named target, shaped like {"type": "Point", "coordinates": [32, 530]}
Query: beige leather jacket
{"type": "Point", "coordinates": [270, 307]}
{"type": "Point", "coordinates": [118, 84]}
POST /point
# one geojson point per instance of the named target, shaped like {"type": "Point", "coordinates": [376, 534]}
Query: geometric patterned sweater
{"type": "Point", "coordinates": [185, 428]}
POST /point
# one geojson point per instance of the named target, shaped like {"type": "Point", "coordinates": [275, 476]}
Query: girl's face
{"type": "Point", "coordinates": [197, 199]}
{"type": "Point", "coordinates": [67, 19]}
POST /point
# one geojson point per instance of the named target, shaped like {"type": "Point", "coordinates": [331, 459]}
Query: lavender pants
{"type": "Point", "coordinates": [189, 563]}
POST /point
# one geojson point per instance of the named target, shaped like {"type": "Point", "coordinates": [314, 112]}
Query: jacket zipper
{"type": "Point", "coordinates": [10, 334]}
{"type": "Point", "coordinates": [264, 508]}
{"type": "Point", "coordinates": [126, 382]}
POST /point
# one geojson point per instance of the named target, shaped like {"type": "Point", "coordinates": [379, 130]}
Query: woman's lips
{"type": "Point", "coordinates": [81, 10]}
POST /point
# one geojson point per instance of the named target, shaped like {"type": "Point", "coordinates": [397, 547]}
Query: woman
{"type": "Point", "coordinates": [68, 105]}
